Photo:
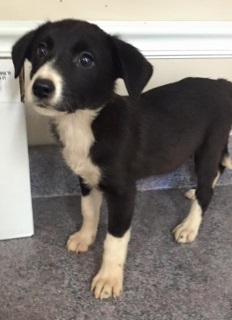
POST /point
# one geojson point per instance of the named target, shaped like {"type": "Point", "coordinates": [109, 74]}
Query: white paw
{"type": "Point", "coordinates": [186, 232]}
{"type": "Point", "coordinates": [79, 242]}
{"type": "Point", "coordinates": [107, 284]}
{"type": "Point", "coordinates": [191, 194]}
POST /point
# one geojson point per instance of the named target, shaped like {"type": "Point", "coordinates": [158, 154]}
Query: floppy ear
{"type": "Point", "coordinates": [21, 51]}
{"type": "Point", "coordinates": [133, 67]}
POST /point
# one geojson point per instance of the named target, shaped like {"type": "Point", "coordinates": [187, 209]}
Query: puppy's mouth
{"type": "Point", "coordinates": [44, 105]}
{"type": "Point", "coordinates": [47, 109]}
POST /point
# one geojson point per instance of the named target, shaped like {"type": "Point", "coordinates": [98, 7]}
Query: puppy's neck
{"type": "Point", "coordinates": [80, 120]}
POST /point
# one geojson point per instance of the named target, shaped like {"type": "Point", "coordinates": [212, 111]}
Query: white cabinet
{"type": "Point", "coordinates": [16, 219]}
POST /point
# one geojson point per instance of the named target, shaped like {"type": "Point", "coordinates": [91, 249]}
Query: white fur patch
{"type": "Point", "coordinates": [187, 231]}
{"type": "Point", "coordinates": [90, 207]}
{"type": "Point", "coordinates": [45, 72]}
{"type": "Point", "coordinates": [109, 280]}
{"type": "Point", "coordinates": [191, 194]}
{"type": "Point", "coordinates": [76, 134]}
{"type": "Point", "coordinates": [227, 162]}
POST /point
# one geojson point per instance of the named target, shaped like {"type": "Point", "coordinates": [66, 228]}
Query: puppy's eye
{"type": "Point", "coordinates": [86, 60]}
{"type": "Point", "coordinates": [42, 50]}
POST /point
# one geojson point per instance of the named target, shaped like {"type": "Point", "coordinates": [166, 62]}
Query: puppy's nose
{"type": "Point", "coordinates": [43, 88]}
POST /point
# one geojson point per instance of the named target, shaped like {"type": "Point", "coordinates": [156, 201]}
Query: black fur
{"type": "Point", "coordinates": [135, 138]}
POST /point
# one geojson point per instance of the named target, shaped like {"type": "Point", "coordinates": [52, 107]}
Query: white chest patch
{"type": "Point", "coordinates": [77, 137]}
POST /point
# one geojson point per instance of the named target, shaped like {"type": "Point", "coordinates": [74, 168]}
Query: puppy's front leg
{"type": "Point", "coordinates": [90, 206]}
{"type": "Point", "coordinates": [109, 280]}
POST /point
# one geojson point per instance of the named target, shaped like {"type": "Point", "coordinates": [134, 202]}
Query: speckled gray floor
{"type": "Point", "coordinates": [40, 280]}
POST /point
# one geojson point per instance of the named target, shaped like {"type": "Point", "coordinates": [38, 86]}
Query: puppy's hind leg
{"type": "Point", "coordinates": [191, 194]}
{"type": "Point", "coordinates": [226, 162]}
{"type": "Point", "coordinates": [207, 164]}
{"type": "Point", "coordinates": [90, 206]}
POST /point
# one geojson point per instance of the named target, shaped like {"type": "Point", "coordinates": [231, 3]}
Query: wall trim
{"type": "Point", "coordinates": [156, 39]}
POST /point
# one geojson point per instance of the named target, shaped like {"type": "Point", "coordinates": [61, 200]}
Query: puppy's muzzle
{"type": "Point", "coordinates": [43, 88]}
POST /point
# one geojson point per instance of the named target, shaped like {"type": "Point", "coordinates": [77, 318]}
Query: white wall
{"type": "Point", "coordinates": [116, 9]}
{"type": "Point", "coordinates": [165, 70]}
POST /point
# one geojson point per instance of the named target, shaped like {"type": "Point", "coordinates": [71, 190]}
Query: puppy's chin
{"type": "Point", "coordinates": [45, 110]}
{"type": "Point", "coordinates": [48, 111]}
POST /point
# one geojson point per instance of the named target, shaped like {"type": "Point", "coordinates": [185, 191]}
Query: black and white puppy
{"type": "Point", "coordinates": [110, 141]}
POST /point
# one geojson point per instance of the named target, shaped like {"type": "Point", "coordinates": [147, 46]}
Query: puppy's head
{"type": "Point", "coordinates": [75, 65]}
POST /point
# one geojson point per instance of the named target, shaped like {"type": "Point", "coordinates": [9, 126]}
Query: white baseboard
{"type": "Point", "coordinates": [164, 39]}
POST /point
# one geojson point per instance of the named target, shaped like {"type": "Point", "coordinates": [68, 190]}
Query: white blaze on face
{"type": "Point", "coordinates": [47, 72]}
